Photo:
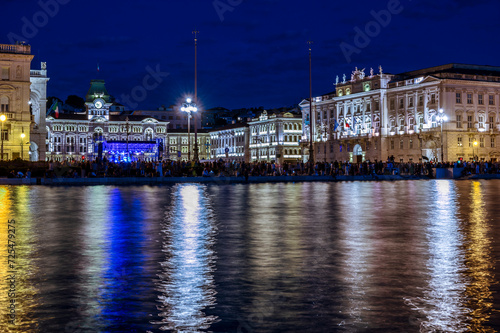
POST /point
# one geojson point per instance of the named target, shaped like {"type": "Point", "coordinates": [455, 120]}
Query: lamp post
{"type": "Point", "coordinates": [22, 144]}
{"type": "Point", "coordinates": [2, 119]}
{"type": "Point", "coordinates": [473, 155]}
{"type": "Point", "coordinates": [441, 118]}
{"type": "Point", "coordinates": [311, 118]}
{"type": "Point", "coordinates": [128, 154]}
{"type": "Point", "coordinates": [195, 32]}
{"type": "Point", "coordinates": [189, 107]}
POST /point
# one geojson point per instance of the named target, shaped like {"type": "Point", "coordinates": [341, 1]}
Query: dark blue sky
{"type": "Point", "coordinates": [251, 53]}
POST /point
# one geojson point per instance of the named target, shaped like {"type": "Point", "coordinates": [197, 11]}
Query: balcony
{"type": "Point", "coordinates": [38, 73]}
{"type": "Point", "coordinates": [17, 49]}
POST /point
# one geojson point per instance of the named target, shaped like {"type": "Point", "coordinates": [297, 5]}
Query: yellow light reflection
{"type": "Point", "coordinates": [16, 204]}
{"type": "Point", "coordinates": [479, 263]}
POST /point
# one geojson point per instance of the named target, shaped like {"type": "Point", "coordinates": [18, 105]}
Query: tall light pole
{"type": "Point", "coordinates": [311, 118]}
{"type": "Point", "coordinates": [2, 119]}
{"type": "Point", "coordinates": [128, 154]}
{"type": "Point", "coordinates": [473, 155]}
{"type": "Point", "coordinates": [189, 107]}
{"type": "Point", "coordinates": [195, 32]}
{"type": "Point", "coordinates": [22, 144]}
{"type": "Point", "coordinates": [441, 118]}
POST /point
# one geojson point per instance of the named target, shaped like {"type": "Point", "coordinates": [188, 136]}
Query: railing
{"type": "Point", "coordinates": [38, 73]}
{"type": "Point", "coordinates": [8, 48]}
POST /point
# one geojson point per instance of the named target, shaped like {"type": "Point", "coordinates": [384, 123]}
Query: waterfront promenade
{"type": "Point", "coordinates": [106, 173]}
{"type": "Point", "coordinates": [214, 180]}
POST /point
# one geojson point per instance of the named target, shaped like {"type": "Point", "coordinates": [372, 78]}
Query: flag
{"type": "Point", "coordinates": [425, 157]}
{"type": "Point", "coordinates": [335, 125]}
{"type": "Point", "coordinates": [98, 67]}
{"type": "Point", "coordinates": [54, 108]}
{"type": "Point", "coordinates": [346, 124]}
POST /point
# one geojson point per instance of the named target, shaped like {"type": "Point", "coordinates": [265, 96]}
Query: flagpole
{"type": "Point", "coordinates": [311, 118]}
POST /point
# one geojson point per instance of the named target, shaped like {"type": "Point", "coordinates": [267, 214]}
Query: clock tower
{"type": "Point", "coordinates": [97, 100]}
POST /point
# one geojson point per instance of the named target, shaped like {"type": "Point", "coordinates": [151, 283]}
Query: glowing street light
{"type": "Point", "coordinates": [22, 144]}
{"type": "Point", "coordinates": [473, 155]}
{"type": "Point", "coordinates": [189, 107]}
{"type": "Point", "coordinates": [2, 119]}
{"type": "Point", "coordinates": [441, 118]}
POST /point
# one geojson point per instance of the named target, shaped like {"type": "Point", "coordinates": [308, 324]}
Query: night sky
{"type": "Point", "coordinates": [250, 53]}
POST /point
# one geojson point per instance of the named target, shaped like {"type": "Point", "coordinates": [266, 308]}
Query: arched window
{"type": "Point", "coordinates": [149, 134]}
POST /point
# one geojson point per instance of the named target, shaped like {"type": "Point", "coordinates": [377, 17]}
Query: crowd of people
{"type": "Point", "coordinates": [105, 168]}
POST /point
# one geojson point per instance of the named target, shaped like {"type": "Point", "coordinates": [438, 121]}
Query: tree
{"type": "Point", "coordinates": [76, 102]}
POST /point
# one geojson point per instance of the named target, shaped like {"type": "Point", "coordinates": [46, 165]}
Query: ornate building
{"type": "Point", "coordinates": [97, 133]}
{"type": "Point", "coordinates": [15, 62]}
{"type": "Point", "coordinates": [38, 102]}
{"type": "Point", "coordinates": [380, 115]}
{"type": "Point", "coordinates": [275, 138]}
{"type": "Point", "coordinates": [177, 146]}
{"type": "Point", "coordinates": [231, 143]}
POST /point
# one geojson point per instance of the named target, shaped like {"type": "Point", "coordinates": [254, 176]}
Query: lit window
{"type": "Point", "coordinates": [469, 98]}
{"type": "Point", "coordinates": [459, 98]}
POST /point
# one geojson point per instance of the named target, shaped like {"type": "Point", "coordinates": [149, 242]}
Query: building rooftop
{"type": "Point", "coordinates": [453, 68]}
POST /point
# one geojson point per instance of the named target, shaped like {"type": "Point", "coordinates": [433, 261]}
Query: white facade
{"type": "Point", "coordinates": [38, 102]}
{"type": "Point", "coordinates": [76, 136]}
{"type": "Point", "coordinates": [381, 115]}
{"type": "Point", "coordinates": [275, 138]}
{"type": "Point", "coordinates": [230, 143]}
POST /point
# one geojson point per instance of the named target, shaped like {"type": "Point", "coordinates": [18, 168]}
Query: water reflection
{"type": "Point", "coordinates": [443, 304]}
{"type": "Point", "coordinates": [17, 204]}
{"type": "Point", "coordinates": [186, 283]}
{"type": "Point", "coordinates": [479, 263]}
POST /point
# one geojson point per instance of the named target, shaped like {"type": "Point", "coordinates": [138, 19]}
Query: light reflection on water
{"type": "Point", "coordinates": [414, 256]}
{"type": "Point", "coordinates": [479, 263]}
{"type": "Point", "coordinates": [186, 283]}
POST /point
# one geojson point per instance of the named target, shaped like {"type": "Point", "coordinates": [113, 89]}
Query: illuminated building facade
{"type": "Point", "coordinates": [96, 132]}
{"type": "Point", "coordinates": [177, 144]}
{"type": "Point", "coordinates": [275, 137]}
{"type": "Point", "coordinates": [231, 143]}
{"type": "Point", "coordinates": [15, 63]}
{"type": "Point", "coordinates": [375, 116]}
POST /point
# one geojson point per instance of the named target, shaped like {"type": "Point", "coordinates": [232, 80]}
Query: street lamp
{"type": "Point", "coordinates": [22, 144]}
{"type": "Point", "coordinates": [189, 107]}
{"type": "Point", "coordinates": [195, 33]}
{"type": "Point", "coordinates": [473, 155]}
{"type": "Point", "coordinates": [441, 118]}
{"type": "Point", "coordinates": [2, 119]}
